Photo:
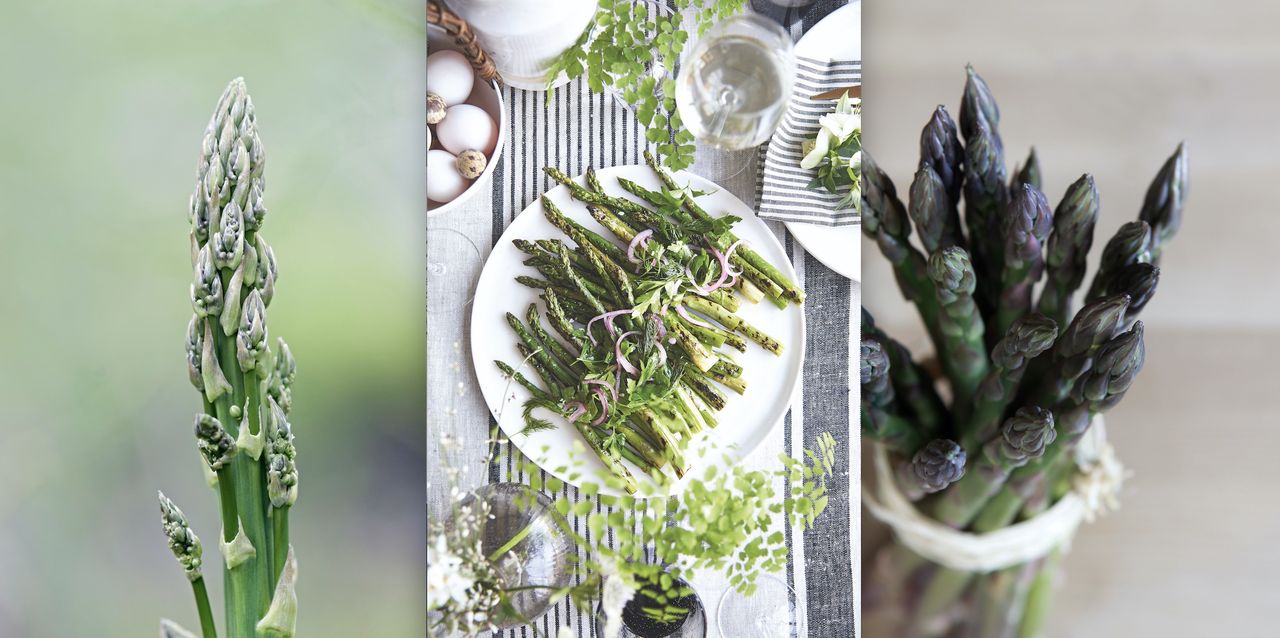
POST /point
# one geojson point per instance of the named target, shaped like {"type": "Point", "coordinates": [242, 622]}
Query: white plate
{"type": "Point", "coordinates": [745, 421]}
{"type": "Point", "coordinates": [837, 36]}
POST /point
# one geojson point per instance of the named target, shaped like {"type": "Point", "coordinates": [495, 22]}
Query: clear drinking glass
{"type": "Point", "coordinates": [735, 82]}
{"type": "Point", "coordinates": [762, 615]}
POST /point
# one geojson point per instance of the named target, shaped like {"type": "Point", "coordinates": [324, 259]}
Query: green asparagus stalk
{"type": "Point", "coordinates": [1026, 228]}
{"type": "Point", "coordinates": [1130, 245]}
{"type": "Point", "coordinates": [961, 325]}
{"type": "Point", "coordinates": [911, 383]}
{"type": "Point", "coordinates": [186, 547]}
{"type": "Point", "coordinates": [791, 290]}
{"type": "Point", "coordinates": [1023, 437]}
{"type": "Point", "coordinates": [880, 420]}
{"type": "Point", "coordinates": [1165, 200]}
{"type": "Point", "coordinates": [1027, 339]}
{"type": "Point", "coordinates": [1068, 248]}
{"type": "Point", "coordinates": [885, 220]}
{"type": "Point", "coordinates": [229, 360]}
{"type": "Point", "coordinates": [932, 468]}
{"type": "Point", "coordinates": [1073, 353]}
{"type": "Point", "coordinates": [1028, 173]}
{"type": "Point", "coordinates": [986, 198]}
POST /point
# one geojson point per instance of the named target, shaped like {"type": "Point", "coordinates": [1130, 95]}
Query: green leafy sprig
{"type": "Point", "coordinates": [635, 53]}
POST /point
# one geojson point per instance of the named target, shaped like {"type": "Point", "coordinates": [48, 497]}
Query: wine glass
{"type": "Point", "coordinates": [761, 615]}
{"type": "Point", "coordinates": [453, 267]}
{"type": "Point", "coordinates": [734, 86]}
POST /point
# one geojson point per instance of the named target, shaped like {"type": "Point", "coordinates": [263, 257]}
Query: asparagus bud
{"type": "Point", "coordinates": [1026, 434]}
{"type": "Point", "coordinates": [1026, 228]}
{"type": "Point", "coordinates": [183, 542]}
{"type": "Point", "coordinates": [251, 338]}
{"type": "Point", "coordinates": [873, 365]}
{"type": "Point", "coordinates": [227, 244]}
{"type": "Point", "coordinates": [1116, 365]}
{"type": "Point", "coordinates": [1139, 282]}
{"type": "Point", "coordinates": [1092, 326]}
{"type": "Point", "coordinates": [986, 198]}
{"type": "Point", "coordinates": [195, 350]}
{"type": "Point", "coordinates": [940, 150]}
{"type": "Point", "coordinates": [206, 291]}
{"type": "Point", "coordinates": [1130, 245]}
{"type": "Point", "coordinates": [938, 464]}
{"type": "Point", "coordinates": [960, 323]}
{"type": "Point", "coordinates": [199, 214]}
{"type": "Point", "coordinates": [881, 206]}
{"type": "Point", "coordinates": [266, 273]}
{"type": "Point", "coordinates": [1068, 247]}
{"type": "Point", "coordinates": [1028, 173]}
{"type": "Point", "coordinates": [977, 107]}
{"type": "Point", "coordinates": [215, 444]}
{"type": "Point", "coordinates": [282, 473]}
{"type": "Point", "coordinates": [282, 378]}
{"type": "Point", "coordinates": [1027, 339]}
{"type": "Point", "coordinates": [933, 211]}
{"type": "Point", "coordinates": [1163, 205]}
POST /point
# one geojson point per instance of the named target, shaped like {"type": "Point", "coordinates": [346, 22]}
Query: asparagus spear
{"type": "Point", "coordinates": [885, 220]}
{"type": "Point", "coordinates": [933, 212]}
{"type": "Point", "coordinates": [935, 466]}
{"type": "Point", "coordinates": [911, 383]}
{"type": "Point", "coordinates": [1027, 339]}
{"type": "Point", "coordinates": [186, 547]}
{"type": "Point", "coordinates": [792, 291]}
{"type": "Point", "coordinates": [978, 107]}
{"type": "Point", "coordinates": [1130, 245]}
{"type": "Point", "coordinates": [1026, 228]}
{"type": "Point", "coordinates": [940, 150]}
{"type": "Point", "coordinates": [1073, 353]}
{"type": "Point", "coordinates": [960, 324]}
{"type": "Point", "coordinates": [986, 199]}
{"type": "Point", "coordinates": [1023, 437]}
{"type": "Point", "coordinates": [1028, 173]}
{"type": "Point", "coordinates": [1138, 281]}
{"type": "Point", "coordinates": [1165, 199]}
{"type": "Point", "coordinates": [1068, 248]}
{"type": "Point", "coordinates": [880, 421]}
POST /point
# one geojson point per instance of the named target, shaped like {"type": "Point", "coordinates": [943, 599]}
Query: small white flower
{"type": "Point", "coordinates": [821, 144]}
{"type": "Point", "coordinates": [565, 632]}
{"type": "Point", "coordinates": [447, 582]}
{"type": "Point", "coordinates": [840, 125]}
{"type": "Point", "coordinates": [617, 592]}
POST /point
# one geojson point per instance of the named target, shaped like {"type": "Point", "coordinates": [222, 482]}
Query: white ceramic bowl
{"type": "Point", "coordinates": [485, 95]}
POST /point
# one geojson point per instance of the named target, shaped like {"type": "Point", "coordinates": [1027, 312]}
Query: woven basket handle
{"type": "Point", "coordinates": [460, 31]}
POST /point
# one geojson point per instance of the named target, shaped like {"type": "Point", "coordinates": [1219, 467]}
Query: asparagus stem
{"type": "Point", "coordinates": [960, 324]}
{"type": "Point", "coordinates": [911, 383]}
{"type": "Point", "coordinates": [1026, 227]}
{"type": "Point", "coordinates": [207, 627]}
{"type": "Point", "coordinates": [1068, 247]}
{"type": "Point", "coordinates": [1027, 339]}
{"type": "Point", "coordinates": [1039, 597]}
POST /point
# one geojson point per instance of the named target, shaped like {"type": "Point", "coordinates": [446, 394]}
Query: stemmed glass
{"type": "Point", "coordinates": [734, 86]}
{"type": "Point", "coordinates": [761, 612]}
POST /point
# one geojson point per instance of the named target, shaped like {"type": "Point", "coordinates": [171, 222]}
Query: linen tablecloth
{"type": "Point", "coordinates": [576, 129]}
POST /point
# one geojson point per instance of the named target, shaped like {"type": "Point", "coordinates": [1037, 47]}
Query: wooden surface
{"type": "Point", "coordinates": [1111, 88]}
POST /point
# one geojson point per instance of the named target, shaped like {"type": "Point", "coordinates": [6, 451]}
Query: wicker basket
{"type": "Point", "coordinates": [457, 28]}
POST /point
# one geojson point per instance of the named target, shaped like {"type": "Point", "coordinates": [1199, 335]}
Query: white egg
{"type": "Point", "coordinates": [444, 182]}
{"type": "Point", "coordinates": [467, 127]}
{"type": "Point", "coordinates": [450, 76]}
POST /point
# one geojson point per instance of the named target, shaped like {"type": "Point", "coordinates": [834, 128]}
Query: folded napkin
{"type": "Point", "coordinates": [785, 193]}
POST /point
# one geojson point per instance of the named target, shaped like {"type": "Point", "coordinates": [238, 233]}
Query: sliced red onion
{"type": "Point", "coordinates": [603, 384]}
{"type": "Point", "coordinates": [639, 240]}
{"type": "Point", "coordinates": [662, 354]}
{"type": "Point", "coordinates": [684, 314]}
{"type": "Point", "coordinates": [622, 361]}
{"type": "Point", "coordinates": [608, 322]}
{"type": "Point", "coordinates": [604, 407]}
{"type": "Point", "coordinates": [696, 288]}
{"type": "Point", "coordinates": [662, 327]}
{"type": "Point", "coordinates": [578, 411]}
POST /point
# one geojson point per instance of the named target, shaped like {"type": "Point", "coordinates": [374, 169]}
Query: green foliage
{"type": "Point", "coordinates": [633, 53]}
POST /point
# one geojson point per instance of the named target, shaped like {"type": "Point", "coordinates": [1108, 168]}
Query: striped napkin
{"type": "Point", "coordinates": [785, 192]}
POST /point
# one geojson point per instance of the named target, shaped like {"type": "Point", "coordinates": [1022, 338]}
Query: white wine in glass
{"type": "Point", "coordinates": [734, 84]}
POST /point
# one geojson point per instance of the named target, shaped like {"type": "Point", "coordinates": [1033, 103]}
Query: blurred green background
{"type": "Point", "coordinates": [101, 117]}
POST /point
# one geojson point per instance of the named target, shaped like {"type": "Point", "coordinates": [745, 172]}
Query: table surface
{"type": "Point", "coordinates": [573, 131]}
{"type": "Point", "coordinates": [1111, 88]}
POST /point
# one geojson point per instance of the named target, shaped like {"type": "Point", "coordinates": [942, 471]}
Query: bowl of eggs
{"type": "Point", "coordinates": [466, 125]}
